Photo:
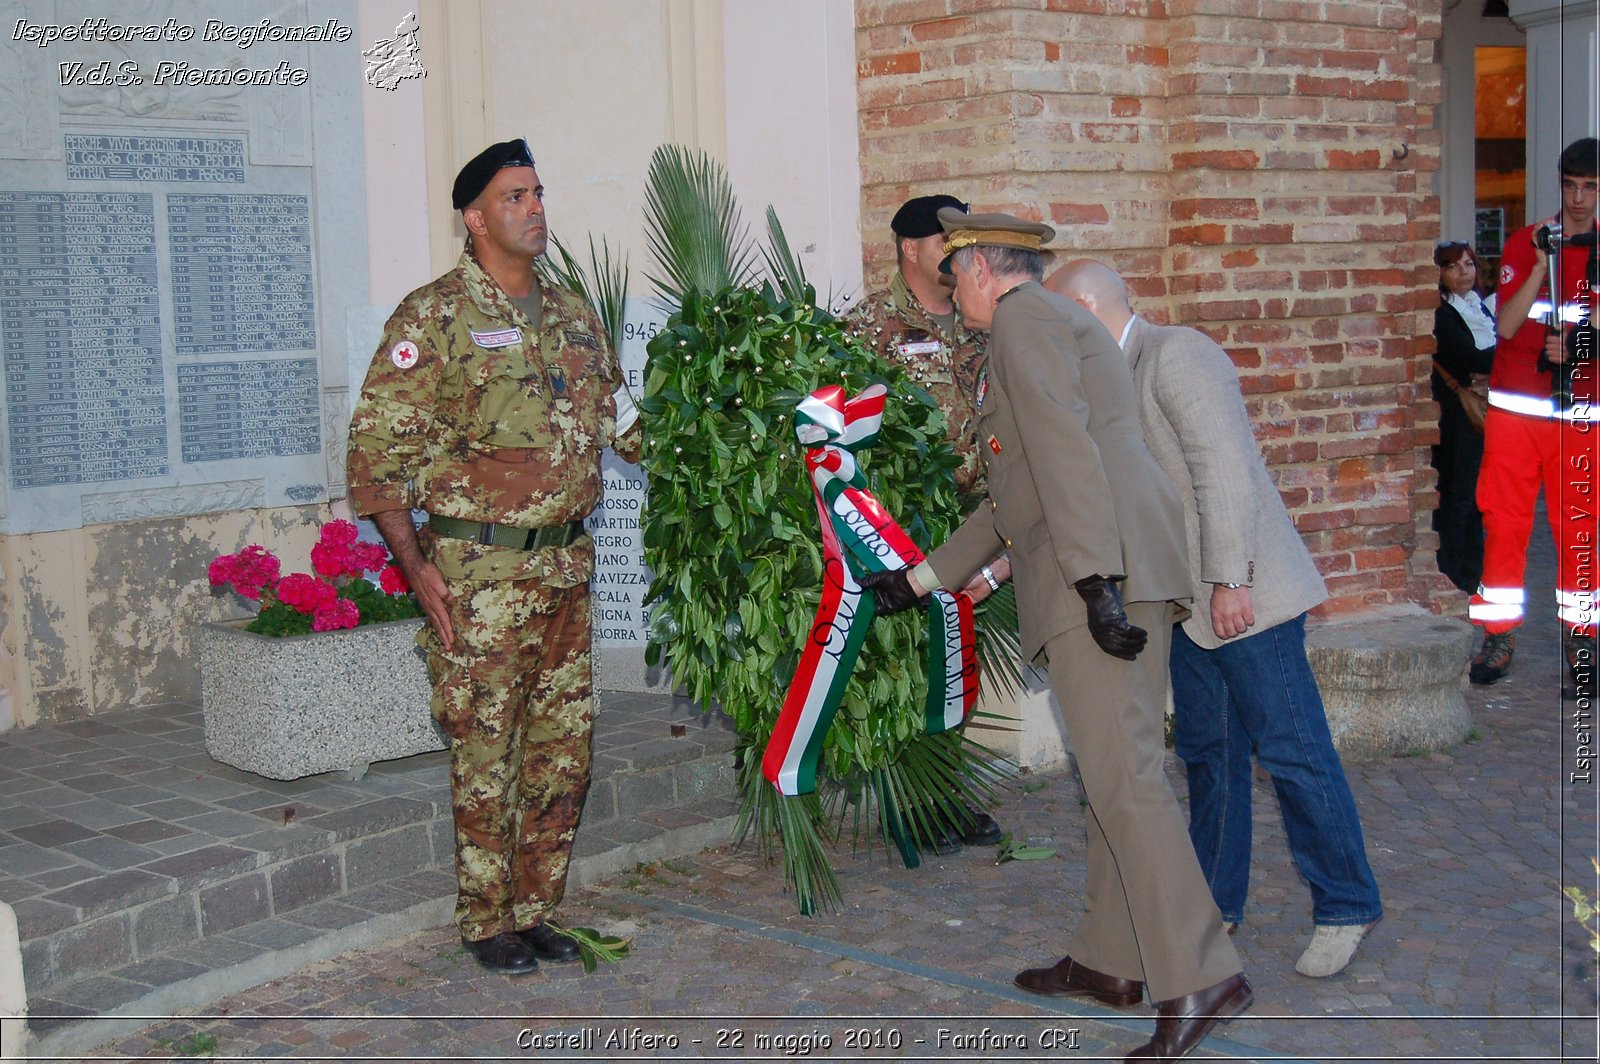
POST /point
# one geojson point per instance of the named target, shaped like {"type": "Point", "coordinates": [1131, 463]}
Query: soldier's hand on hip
{"type": "Point", "coordinates": [1108, 624]}
{"type": "Point", "coordinates": [893, 591]}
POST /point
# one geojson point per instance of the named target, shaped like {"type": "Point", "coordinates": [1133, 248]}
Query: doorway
{"type": "Point", "coordinates": [1500, 153]}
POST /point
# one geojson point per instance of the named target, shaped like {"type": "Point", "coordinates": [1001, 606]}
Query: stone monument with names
{"type": "Point", "coordinates": [179, 250]}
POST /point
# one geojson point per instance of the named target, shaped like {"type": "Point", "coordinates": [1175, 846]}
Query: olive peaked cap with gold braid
{"type": "Point", "coordinates": [989, 230]}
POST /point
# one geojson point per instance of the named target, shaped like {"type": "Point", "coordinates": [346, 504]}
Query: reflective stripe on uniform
{"type": "Point", "coordinates": [1571, 313]}
{"type": "Point", "coordinates": [1576, 615]}
{"type": "Point", "coordinates": [1517, 403]}
{"type": "Point", "coordinates": [1496, 604]}
{"type": "Point", "coordinates": [1490, 611]}
{"type": "Point", "coordinates": [1576, 607]}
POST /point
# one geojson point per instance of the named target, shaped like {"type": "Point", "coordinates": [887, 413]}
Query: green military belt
{"type": "Point", "coordinates": [506, 535]}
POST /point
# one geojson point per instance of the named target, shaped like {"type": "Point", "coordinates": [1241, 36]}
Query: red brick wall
{"type": "Point", "coordinates": [1259, 169]}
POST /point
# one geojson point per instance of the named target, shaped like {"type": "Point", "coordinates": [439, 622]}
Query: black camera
{"type": "Point", "coordinates": [1550, 238]}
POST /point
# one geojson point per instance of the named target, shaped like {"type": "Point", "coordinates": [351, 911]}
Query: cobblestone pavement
{"type": "Point", "coordinates": [1478, 957]}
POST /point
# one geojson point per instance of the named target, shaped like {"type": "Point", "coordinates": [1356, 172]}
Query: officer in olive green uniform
{"type": "Point", "coordinates": [914, 324]}
{"type": "Point", "coordinates": [488, 404]}
{"type": "Point", "coordinates": [1095, 534]}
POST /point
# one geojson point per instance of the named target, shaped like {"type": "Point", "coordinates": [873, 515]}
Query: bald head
{"type": "Point", "coordinates": [1097, 288]}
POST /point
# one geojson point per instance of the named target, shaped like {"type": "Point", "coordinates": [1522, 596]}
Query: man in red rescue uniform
{"type": "Point", "coordinates": [1539, 431]}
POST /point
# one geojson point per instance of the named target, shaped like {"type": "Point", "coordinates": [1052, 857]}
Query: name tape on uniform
{"type": "Point", "coordinates": [498, 338]}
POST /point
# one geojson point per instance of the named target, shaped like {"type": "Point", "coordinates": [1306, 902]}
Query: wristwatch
{"type": "Point", "coordinates": [1231, 587]}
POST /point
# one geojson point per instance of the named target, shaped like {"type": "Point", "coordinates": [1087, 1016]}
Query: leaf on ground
{"type": "Point", "coordinates": [593, 947]}
{"type": "Point", "coordinates": [1011, 850]}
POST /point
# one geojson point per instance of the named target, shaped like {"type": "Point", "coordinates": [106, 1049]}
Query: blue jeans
{"type": "Point", "coordinates": [1258, 691]}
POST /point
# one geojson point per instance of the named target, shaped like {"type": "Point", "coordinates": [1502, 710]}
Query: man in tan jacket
{"type": "Point", "coordinates": [1240, 678]}
{"type": "Point", "coordinates": [1096, 542]}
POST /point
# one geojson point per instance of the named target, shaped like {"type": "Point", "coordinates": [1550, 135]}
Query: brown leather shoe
{"type": "Point", "coordinates": [1182, 1023]}
{"type": "Point", "coordinates": [1068, 978]}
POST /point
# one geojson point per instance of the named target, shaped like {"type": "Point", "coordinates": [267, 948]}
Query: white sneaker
{"type": "Point", "coordinates": [1331, 949]}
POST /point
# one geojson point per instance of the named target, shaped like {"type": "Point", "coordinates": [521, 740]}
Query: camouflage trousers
{"type": "Point", "coordinates": [515, 695]}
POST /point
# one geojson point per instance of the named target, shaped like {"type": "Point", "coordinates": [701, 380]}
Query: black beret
{"type": "Point", "coordinates": [476, 175]}
{"type": "Point", "coordinates": [919, 217]}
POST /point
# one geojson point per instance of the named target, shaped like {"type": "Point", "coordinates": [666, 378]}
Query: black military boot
{"type": "Point", "coordinates": [550, 945]}
{"type": "Point", "coordinates": [504, 952]}
{"type": "Point", "coordinates": [978, 828]}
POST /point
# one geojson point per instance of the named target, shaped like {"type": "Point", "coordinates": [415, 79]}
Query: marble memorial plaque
{"type": "Point", "coordinates": [177, 257]}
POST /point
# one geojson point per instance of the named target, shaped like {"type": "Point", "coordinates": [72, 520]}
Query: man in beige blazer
{"type": "Point", "coordinates": [1096, 543]}
{"type": "Point", "coordinates": [1240, 678]}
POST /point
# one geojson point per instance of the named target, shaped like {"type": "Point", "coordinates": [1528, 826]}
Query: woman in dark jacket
{"type": "Point", "coordinates": [1463, 329]}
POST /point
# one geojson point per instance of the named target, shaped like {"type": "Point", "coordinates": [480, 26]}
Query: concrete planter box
{"type": "Point", "coordinates": [296, 706]}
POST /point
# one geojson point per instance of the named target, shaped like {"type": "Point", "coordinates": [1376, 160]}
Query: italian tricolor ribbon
{"type": "Point", "coordinates": [855, 524]}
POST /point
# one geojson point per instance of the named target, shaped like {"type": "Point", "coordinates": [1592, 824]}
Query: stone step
{"type": "Point", "coordinates": [145, 881]}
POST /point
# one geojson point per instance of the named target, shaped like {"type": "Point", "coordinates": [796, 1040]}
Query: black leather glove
{"type": "Point", "coordinates": [1107, 623]}
{"type": "Point", "coordinates": [892, 590]}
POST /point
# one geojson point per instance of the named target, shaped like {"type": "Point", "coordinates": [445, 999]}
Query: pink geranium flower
{"type": "Point", "coordinates": [339, 553]}
{"type": "Point", "coordinates": [393, 580]}
{"type": "Point", "coordinates": [331, 560]}
{"type": "Point", "coordinates": [371, 556]}
{"type": "Point", "coordinates": [341, 532]}
{"type": "Point", "coordinates": [306, 593]}
{"type": "Point", "coordinates": [336, 594]}
{"type": "Point", "coordinates": [341, 613]}
{"type": "Point", "coordinates": [248, 572]}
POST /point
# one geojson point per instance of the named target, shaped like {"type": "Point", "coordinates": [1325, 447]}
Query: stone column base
{"type": "Point", "coordinates": [1393, 685]}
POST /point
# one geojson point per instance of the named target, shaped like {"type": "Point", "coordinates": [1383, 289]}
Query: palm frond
{"type": "Point", "coordinates": [927, 783]}
{"type": "Point", "coordinates": [782, 264]}
{"type": "Point", "coordinates": [604, 283]}
{"type": "Point", "coordinates": [693, 224]}
{"type": "Point", "coordinates": [998, 644]}
{"type": "Point", "coordinates": [797, 823]}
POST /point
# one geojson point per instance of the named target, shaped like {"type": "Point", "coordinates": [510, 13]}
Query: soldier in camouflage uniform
{"type": "Point", "coordinates": [914, 324]}
{"type": "Point", "coordinates": [487, 405]}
